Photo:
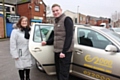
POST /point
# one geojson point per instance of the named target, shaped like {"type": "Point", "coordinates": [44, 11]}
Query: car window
{"type": "Point", "coordinates": [40, 32]}
{"type": "Point", "coordinates": [100, 37]}
{"type": "Point", "coordinates": [92, 38]}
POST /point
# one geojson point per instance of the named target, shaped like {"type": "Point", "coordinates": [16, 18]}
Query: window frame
{"type": "Point", "coordinates": [37, 8]}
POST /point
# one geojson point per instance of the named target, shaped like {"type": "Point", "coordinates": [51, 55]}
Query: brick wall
{"type": "Point", "coordinates": [23, 10]}
{"type": "Point", "coordinates": [82, 19]}
{"type": "Point", "coordinates": [41, 13]}
{"type": "Point", "coordinates": [1, 28]}
{"type": "Point", "coordinates": [102, 21]}
{"type": "Point", "coordinates": [28, 10]}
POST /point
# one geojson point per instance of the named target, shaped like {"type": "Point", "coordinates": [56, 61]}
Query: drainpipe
{"type": "Point", "coordinates": [16, 7]}
{"type": "Point", "coordinates": [4, 20]}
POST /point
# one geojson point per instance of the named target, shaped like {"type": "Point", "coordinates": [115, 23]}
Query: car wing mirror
{"type": "Point", "coordinates": [111, 48]}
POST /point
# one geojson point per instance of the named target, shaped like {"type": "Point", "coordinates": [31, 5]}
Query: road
{"type": "Point", "coordinates": [9, 72]}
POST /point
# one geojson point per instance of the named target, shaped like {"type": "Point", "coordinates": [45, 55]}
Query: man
{"type": "Point", "coordinates": [63, 42]}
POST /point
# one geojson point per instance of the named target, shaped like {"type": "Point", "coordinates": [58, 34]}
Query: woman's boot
{"type": "Point", "coordinates": [21, 74]}
{"type": "Point", "coordinates": [27, 74]}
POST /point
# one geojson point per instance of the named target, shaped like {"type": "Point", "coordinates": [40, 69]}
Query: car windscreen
{"type": "Point", "coordinates": [112, 34]}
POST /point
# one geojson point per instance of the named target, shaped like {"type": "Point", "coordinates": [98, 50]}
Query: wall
{"type": "Point", "coordinates": [82, 19]}
{"type": "Point", "coordinates": [1, 28]}
{"type": "Point", "coordinates": [72, 15]}
{"type": "Point", "coordinates": [50, 19]}
{"type": "Point", "coordinates": [41, 13]}
{"type": "Point", "coordinates": [28, 10]}
{"type": "Point", "coordinates": [23, 10]}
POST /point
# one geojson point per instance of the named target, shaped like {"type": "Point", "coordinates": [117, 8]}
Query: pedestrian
{"type": "Point", "coordinates": [19, 48]}
{"type": "Point", "coordinates": [63, 42]}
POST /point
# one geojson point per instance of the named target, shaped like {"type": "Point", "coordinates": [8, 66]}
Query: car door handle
{"type": "Point", "coordinates": [36, 49]}
{"type": "Point", "coordinates": [79, 51]}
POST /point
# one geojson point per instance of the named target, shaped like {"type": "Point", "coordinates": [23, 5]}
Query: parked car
{"type": "Point", "coordinates": [96, 52]}
{"type": "Point", "coordinates": [117, 30]}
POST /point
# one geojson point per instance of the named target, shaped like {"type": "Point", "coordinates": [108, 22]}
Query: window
{"type": "Point", "coordinates": [37, 8]}
{"type": "Point", "coordinates": [13, 9]}
{"type": "Point", "coordinates": [75, 20]}
{"type": "Point", "coordinates": [81, 18]}
{"type": "Point", "coordinates": [92, 38]}
{"type": "Point", "coordinates": [41, 32]}
{"type": "Point", "coordinates": [7, 9]}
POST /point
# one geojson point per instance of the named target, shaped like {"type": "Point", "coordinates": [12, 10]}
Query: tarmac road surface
{"type": "Point", "coordinates": [9, 72]}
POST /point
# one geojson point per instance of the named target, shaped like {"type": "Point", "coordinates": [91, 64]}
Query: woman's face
{"type": "Point", "coordinates": [24, 22]}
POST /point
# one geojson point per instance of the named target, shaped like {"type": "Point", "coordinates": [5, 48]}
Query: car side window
{"type": "Point", "coordinates": [92, 38]}
{"type": "Point", "coordinates": [40, 33]}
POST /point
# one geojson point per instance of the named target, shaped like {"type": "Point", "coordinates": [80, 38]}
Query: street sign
{"type": "Point", "coordinates": [13, 18]}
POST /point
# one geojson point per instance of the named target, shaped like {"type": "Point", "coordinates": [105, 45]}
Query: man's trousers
{"type": "Point", "coordinates": [63, 65]}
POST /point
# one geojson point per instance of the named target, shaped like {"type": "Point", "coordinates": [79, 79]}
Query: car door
{"type": "Point", "coordinates": [43, 54]}
{"type": "Point", "coordinates": [90, 60]}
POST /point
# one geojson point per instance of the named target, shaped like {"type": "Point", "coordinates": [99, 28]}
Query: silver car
{"type": "Point", "coordinates": [117, 30]}
{"type": "Point", "coordinates": [96, 52]}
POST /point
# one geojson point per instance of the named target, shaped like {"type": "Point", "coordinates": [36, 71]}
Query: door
{"type": "Point", "coordinates": [43, 54]}
{"type": "Point", "coordinates": [90, 60]}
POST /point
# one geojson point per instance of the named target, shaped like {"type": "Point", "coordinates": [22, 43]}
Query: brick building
{"type": "Point", "coordinates": [73, 15]}
{"type": "Point", "coordinates": [2, 34]}
{"type": "Point", "coordinates": [9, 10]}
{"type": "Point", "coordinates": [117, 23]}
{"type": "Point", "coordinates": [35, 10]}
{"type": "Point", "coordinates": [82, 18]}
{"type": "Point", "coordinates": [92, 20]}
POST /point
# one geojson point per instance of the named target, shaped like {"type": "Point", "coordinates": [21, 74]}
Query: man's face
{"type": "Point", "coordinates": [57, 11]}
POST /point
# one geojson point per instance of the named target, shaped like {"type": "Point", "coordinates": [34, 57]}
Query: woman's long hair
{"type": "Point", "coordinates": [19, 23]}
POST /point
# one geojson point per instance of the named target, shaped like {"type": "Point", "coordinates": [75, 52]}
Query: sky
{"type": "Point", "coordinates": [97, 8]}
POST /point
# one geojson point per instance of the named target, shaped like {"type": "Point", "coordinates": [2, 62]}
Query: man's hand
{"type": "Point", "coordinates": [43, 43]}
{"type": "Point", "coordinates": [62, 55]}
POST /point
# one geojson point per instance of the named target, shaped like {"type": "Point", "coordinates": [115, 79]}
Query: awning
{"type": "Point", "coordinates": [36, 20]}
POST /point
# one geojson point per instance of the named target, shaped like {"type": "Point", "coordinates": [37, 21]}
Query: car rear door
{"type": "Point", "coordinates": [43, 54]}
{"type": "Point", "coordinates": [90, 60]}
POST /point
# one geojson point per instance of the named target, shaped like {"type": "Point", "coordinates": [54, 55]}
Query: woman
{"type": "Point", "coordinates": [19, 48]}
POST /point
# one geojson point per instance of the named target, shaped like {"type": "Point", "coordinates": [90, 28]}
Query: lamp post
{"type": "Point", "coordinates": [77, 14]}
{"type": "Point", "coordinates": [116, 15]}
{"type": "Point", "coordinates": [4, 25]}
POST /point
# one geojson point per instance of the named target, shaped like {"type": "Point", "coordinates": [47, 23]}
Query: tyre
{"type": "Point", "coordinates": [39, 67]}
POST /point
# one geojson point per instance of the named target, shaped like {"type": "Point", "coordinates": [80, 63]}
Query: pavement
{"type": "Point", "coordinates": [9, 72]}
{"type": "Point", "coordinates": [4, 39]}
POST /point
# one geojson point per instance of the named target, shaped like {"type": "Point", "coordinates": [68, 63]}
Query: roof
{"type": "Point", "coordinates": [13, 2]}
{"type": "Point", "coordinates": [70, 11]}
